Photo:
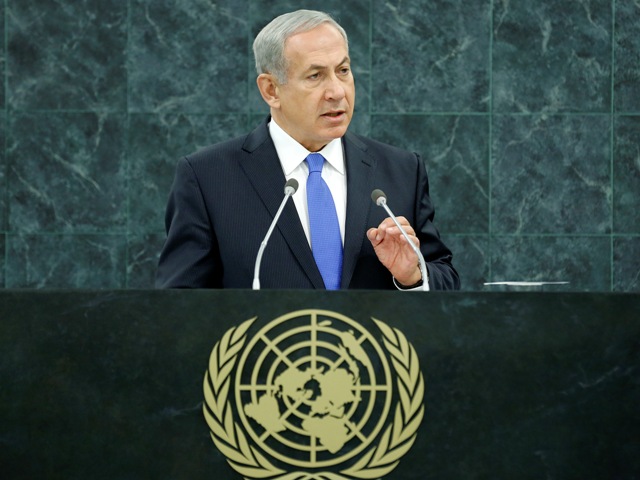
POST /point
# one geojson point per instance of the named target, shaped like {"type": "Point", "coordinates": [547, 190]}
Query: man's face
{"type": "Point", "coordinates": [316, 104]}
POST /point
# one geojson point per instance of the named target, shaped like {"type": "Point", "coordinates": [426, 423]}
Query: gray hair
{"type": "Point", "coordinates": [268, 47]}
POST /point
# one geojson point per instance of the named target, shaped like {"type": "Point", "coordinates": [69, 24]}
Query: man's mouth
{"type": "Point", "coordinates": [334, 114]}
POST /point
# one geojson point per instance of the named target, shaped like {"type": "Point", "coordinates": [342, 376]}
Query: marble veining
{"type": "Point", "coordinates": [626, 264]}
{"type": "Point", "coordinates": [73, 178]}
{"type": "Point", "coordinates": [4, 197]}
{"type": "Point", "coordinates": [627, 58]}
{"type": "Point", "coordinates": [67, 54]}
{"type": "Point", "coordinates": [188, 56]}
{"type": "Point", "coordinates": [430, 56]}
{"type": "Point", "coordinates": [471, 257]}
{"type": "Point", "coordinates": [143, 251]}
{"type": "Point", "coordinates": [551, 174]}
{"type": "Point", "coordinates": [29, 264]}
{"type": "Point", "coordinates": [2, 258]}
{"type": "Point", "coordinates": [3, 58]}
{"type": "Point", "coordinates": [626, 175]}
{"type": "Point", "coordinates": [552, 56]}
{"type": "Point", "coordinates": [581, 261]}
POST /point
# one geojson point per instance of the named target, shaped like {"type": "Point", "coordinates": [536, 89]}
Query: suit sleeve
{"type": "Point", "coordinates": [189, 258]}
{"type": "Point", "coordinates": [442, 274]}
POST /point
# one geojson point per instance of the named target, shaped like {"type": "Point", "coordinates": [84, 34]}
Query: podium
{"type": "Point", "coordinates": [109, 384]}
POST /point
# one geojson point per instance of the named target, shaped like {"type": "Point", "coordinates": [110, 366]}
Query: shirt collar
{"type": "Point", "coordinates": [292, 154]}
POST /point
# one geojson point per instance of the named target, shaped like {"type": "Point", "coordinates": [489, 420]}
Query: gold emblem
{"type": "Point", "coordinates": [311, 396]}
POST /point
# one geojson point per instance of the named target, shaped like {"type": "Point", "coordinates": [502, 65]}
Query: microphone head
{"type": "Point", "coordinates": [291, 186]}
{"type": "Point", "coordinates": [378, 197]}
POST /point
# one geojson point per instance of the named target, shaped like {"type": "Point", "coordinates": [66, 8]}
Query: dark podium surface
{"type": "Point", "coordinates": [109, 384]}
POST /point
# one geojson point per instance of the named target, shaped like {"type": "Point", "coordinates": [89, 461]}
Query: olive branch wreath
{"type": "Point", "coordinates": [251, 464]}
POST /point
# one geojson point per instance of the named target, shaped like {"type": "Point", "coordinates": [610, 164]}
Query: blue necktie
{"type": "Point", "coordinates": [326, 241]}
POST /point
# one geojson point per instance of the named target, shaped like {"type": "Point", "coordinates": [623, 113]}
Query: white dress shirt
{"type": "Point", "coordinates": [292, 157]}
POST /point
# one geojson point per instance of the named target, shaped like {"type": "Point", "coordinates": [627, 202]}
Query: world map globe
{"type": "Point", "coordinates": [307, 385]}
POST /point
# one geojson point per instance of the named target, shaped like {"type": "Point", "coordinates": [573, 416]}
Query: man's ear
{"type": "Point", "coordinates": [269, 89]}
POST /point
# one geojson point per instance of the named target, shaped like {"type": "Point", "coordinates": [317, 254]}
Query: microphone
{"type": "Point", "coordinates": [289, 189]}
{"type": "Point", "coordinates": [380, 199]}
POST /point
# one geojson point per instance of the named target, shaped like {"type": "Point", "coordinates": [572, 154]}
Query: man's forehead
{"type": "Point", "coordinates": [324, 36]}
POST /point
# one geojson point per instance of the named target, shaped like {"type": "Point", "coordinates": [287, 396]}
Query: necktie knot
{"type": "Point", "coordinates": [316, 162]}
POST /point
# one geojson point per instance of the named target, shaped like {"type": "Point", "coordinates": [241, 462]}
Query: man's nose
{"type": "Point", "coordinates": [335, 89]}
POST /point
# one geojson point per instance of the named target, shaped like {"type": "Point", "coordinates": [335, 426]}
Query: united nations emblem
{"type": "Point", "coordinates": [313, 395]}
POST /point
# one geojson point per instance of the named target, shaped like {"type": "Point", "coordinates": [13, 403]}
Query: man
{"type": "Point", "coordinates": [224, 197]}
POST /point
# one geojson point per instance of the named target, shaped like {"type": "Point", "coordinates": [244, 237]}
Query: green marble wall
{"type": "Point", "coordinates": [527, 115]}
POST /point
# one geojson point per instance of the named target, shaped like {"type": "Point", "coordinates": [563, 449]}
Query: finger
{"type": "Point", "coordinates": [405, 244]}
{"type": "Point", "coordinates": [405, 224]}
{"type": "Point", "coordinates": [394, 230]}
{"type": "Point", "coordinates": [386, 223]}
{"type": "Point", "coordinates": [375, 236]}
{"type": "Point", "coordinates": [391, 226]}
{"type": "Point", "coordinates": [413, 239]}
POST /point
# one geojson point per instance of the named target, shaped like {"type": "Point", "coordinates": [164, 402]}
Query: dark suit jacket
{"type": "Point", "coordinates": [224, 198]}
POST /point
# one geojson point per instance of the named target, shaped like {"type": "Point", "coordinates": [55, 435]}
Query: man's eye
{"type": "Point", "coordinates": [345, 70]}
{"type": "Point", "coordinates": [314, 76]}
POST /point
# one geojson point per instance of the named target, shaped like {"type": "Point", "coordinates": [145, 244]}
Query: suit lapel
{"type": "Point", "coordinates": [360, 173]}
{"type": "Point", "coordinates": [264, 171]}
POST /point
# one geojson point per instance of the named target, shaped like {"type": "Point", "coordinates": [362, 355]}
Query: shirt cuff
{"type": "Point", "coordinates": [417, 287]}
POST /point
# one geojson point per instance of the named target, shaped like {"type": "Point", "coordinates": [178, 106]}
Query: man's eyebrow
{"type": "Point", "coordinates": [322, 67]}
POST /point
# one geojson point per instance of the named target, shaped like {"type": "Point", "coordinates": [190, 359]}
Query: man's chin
{"type": "Point", "coordinates": [337, 131]}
